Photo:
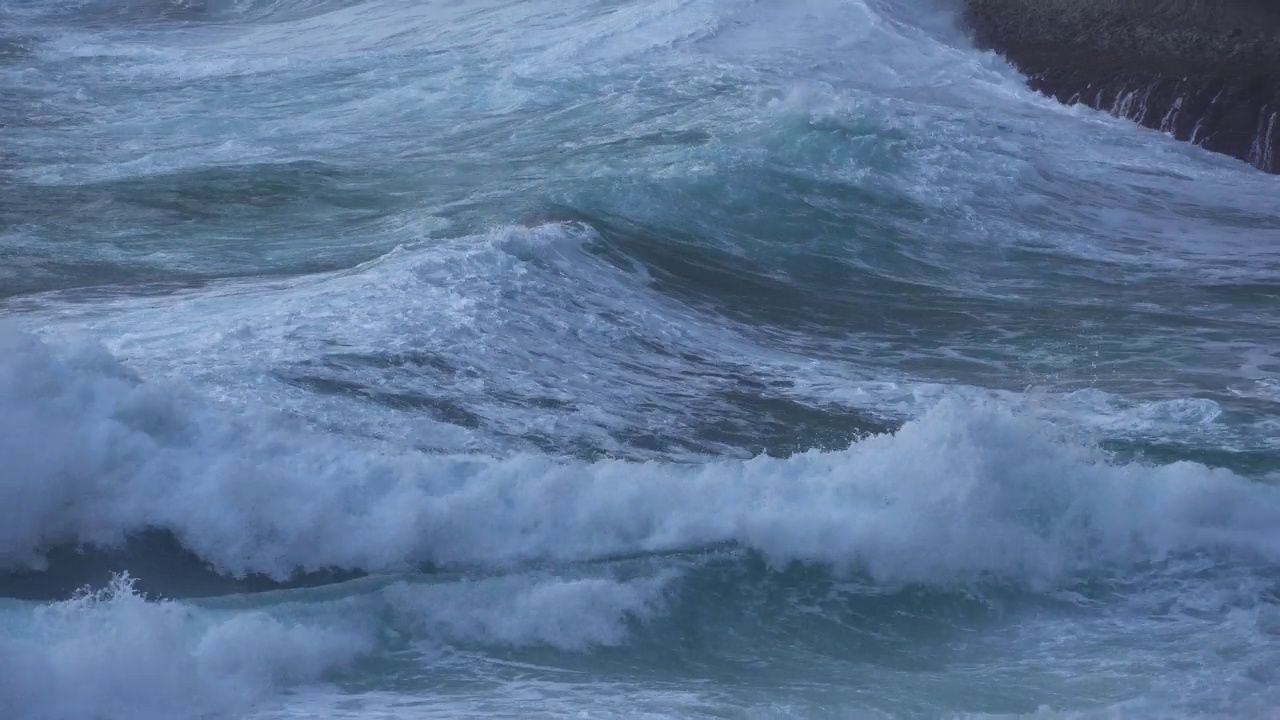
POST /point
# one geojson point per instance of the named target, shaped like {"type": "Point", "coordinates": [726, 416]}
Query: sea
{"type": "Point", "coordinates": [409, 359]}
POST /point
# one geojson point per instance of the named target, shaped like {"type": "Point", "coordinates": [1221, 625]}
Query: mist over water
{"type": "Point", "coordinates": [700, 358]}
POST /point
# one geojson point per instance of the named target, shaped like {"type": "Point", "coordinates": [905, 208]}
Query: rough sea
{"type": "Point", "coordinates": [407, 359]}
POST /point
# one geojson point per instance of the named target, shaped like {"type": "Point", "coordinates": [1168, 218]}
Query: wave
{"type": "Point", "coordinates": [157, 563]}
{"type": "Point", "coordinates": [743, 426]}
{"type": "Point", "coordinates": [113, 654]}
{"type": "Point", "coordinates": [94, 455]}
{"type": "Point", "coordinates": [646, 346]}
{"type": "Point", "coordinates": [116, 654]}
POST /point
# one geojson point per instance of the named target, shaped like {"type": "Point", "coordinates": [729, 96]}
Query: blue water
{"type": "Point", "coordinates": [685, 358]}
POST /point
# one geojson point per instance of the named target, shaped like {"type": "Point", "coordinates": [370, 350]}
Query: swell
{"type": "Point", "coordinates": [1205, 72]}
{"type": "Point", "coordinates": [189, 226]}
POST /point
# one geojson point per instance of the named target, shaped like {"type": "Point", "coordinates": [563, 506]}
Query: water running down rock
{"type": "Point", "coordinates": [1205, 71]}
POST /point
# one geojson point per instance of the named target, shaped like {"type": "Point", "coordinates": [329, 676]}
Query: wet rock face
{"type": "Point", "coordinates": [1205, 71]}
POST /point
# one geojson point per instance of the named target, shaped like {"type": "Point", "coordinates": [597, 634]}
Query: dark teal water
{"type": "Point", "coordinates": [700, 358]}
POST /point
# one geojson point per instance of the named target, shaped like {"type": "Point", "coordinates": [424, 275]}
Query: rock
{"type": "Point", "coordinates": [1205, 71]}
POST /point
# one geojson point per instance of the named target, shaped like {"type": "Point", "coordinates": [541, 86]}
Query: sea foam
{"type": "Point", "coordinates": [93, 454]}
{"type": "Point", "coordinates": [114, 654]}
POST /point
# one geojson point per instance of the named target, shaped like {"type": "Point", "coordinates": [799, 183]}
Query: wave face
{"type": "Point", "coordinates": [695, 358]}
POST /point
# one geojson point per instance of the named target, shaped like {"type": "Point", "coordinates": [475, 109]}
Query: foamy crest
{"type": "Point", "coordinates": [113, 655]}
{"type": "Point", "coordinates": [964, 491]}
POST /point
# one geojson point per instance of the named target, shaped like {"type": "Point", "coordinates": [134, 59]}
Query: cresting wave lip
{"type": "Point", "coordinates": [1204, 72]}
{"type": "Point", "coordinates": [964, 492]}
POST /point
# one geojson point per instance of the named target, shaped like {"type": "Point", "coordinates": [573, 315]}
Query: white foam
{"type": "Point", "coordinates": [488, 309]}
{"type": "Point", "coordinates": [114, 655]}
{"type": "Point", "coordinates": [529, 699]}
{"type": "Point", "coordinates": [505, 323]}
{"type": "Point", "coordinates": [965, 490]}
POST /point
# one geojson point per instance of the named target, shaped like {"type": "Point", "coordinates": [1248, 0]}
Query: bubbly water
{"type": "Point", "coordinates": [639, 358]}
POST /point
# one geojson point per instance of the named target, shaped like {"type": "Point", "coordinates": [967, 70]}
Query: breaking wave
{"type": "Point", "coordinates": [94, 456]}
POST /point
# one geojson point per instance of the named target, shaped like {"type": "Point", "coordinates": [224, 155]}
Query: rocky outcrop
{"type": "Point", "coordinates": [1205, 71]}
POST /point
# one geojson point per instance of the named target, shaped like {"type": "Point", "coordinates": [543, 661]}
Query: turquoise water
{"type": "Point", "coordinates": [699, 358]}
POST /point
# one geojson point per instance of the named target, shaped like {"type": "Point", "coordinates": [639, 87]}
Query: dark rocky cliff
{"type": "Point", "coordinates": [1206, 71]}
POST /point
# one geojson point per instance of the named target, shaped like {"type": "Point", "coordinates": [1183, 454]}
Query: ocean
{"type": "Point", "coordinates": [408, 359]}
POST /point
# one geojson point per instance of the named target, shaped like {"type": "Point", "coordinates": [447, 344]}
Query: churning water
{"type": "Point", "coordinates": [643, 358]}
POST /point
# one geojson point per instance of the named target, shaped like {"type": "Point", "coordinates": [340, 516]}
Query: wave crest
{"type": "Point", "coordinates": [93, 455]}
